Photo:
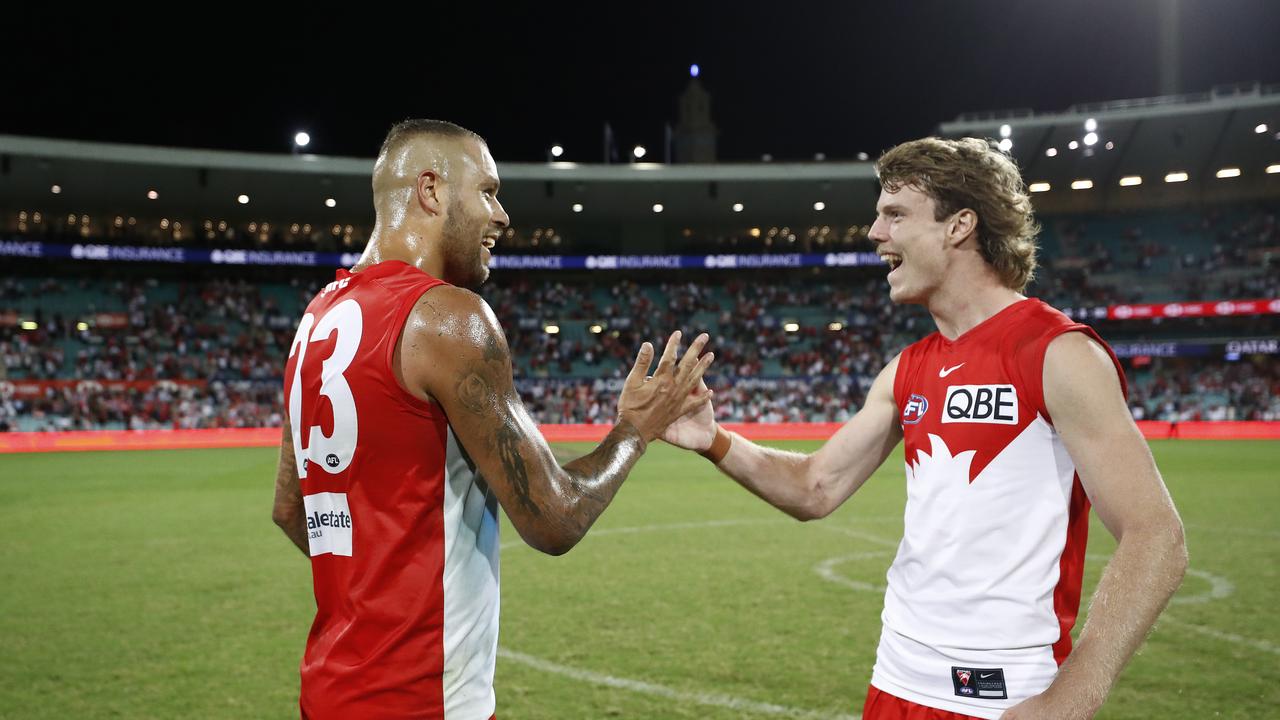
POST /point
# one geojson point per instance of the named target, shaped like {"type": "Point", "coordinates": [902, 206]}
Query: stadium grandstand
{"type": "Point", "coordinates": [176, 197]}
{"type": "Point", "coordinates": [157, 288]}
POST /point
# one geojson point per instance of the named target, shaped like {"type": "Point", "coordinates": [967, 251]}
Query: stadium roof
{"type": "Point", "coordinates": [1150, 138]}
{"type": "Point", "coordinates": [1234, 127]}
{"type": "Point", "coordinates": [112, 178]}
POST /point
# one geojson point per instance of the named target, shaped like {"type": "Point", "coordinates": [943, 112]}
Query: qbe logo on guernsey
{"type": "Point", "coordinates": [328, 523]}
{"type": "Point", "coordinates": [991, 404]}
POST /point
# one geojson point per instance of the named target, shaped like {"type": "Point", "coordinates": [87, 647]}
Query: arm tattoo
{"type": "Point", "coordinates": [507, 441]}
{"type": "Point", "coordinates": [474, 392]}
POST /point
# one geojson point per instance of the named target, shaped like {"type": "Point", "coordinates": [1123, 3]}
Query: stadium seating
{"type": "Point", "coordinates": [790, 347]}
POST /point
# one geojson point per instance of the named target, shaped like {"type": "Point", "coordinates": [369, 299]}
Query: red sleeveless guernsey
{"type": "Point", "coordinates": [403, 535]}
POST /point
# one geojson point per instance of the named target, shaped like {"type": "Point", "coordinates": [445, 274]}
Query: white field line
{"type": "Point", "coordinates": [1219, 588]}
{"type": "Point", "coordinates": [684, 697]}
{"type": "Point", "coordinates": [659, 528]}
{"type": "Point", "coordinates": [1254, 643]}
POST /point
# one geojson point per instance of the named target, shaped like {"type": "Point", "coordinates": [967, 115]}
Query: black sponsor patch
{"type": "Point", "coordinates": [979, 683]}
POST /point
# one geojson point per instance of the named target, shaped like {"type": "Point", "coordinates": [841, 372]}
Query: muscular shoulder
{"type": "Point", "coordinates": [454, 320]}
{"type": "Point", "coordinates": [451, 333]}
{"type": "Point", "coordinates": [1075, 355]}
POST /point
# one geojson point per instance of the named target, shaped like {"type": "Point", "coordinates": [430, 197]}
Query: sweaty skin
{"type": "Point", "coordinates": [438, 210]}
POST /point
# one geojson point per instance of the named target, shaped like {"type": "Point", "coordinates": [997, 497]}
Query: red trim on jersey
{"type": "Point", "coordinates": [1066, 595]}
{"type": "Point", "coordinates": [881, 705]}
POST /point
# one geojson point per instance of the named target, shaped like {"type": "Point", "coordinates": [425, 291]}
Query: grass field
{"type": "Point", "coordinates": [154, 585]}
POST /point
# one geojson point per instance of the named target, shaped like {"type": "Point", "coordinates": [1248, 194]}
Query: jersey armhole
{"type": "Point", "coordinates": [1041, 348]}
{"type": "Point", "coordinates": [900, 378]}
{"type": "Point", "coordinates": [431, 408]}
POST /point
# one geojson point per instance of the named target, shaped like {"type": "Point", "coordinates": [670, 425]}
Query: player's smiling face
{"type": "Point", "coordinates": [474, 218]}
{"type": "Point", "coordinates": [911, 241]}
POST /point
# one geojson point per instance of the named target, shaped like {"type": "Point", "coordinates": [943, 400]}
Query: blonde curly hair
{"type": "Point", "coordinates": [972, 173]}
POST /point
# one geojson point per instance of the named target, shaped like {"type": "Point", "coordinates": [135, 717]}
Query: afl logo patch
{"type": "Point", "coordinates": [915, 409]}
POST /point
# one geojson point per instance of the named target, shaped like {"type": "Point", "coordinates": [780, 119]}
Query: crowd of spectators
{"type": "Point", "coordinates": [210, 353]}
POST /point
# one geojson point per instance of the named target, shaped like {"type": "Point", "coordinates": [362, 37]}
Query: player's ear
{"type": "Point", "coordinates": [428, 191]}
{"type": "Point", "coordinates": [962, 226]}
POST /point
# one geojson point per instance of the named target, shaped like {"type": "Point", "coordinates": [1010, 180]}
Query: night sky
{"type": "Point", "coordinates": [789, 79]}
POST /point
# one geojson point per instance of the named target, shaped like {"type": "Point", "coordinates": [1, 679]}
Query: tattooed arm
{"type": "Point", "coordinates": [453, 352]}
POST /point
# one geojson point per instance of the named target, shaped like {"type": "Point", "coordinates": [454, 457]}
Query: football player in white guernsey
{"type": "Point", "coordinates": [1014, 420]}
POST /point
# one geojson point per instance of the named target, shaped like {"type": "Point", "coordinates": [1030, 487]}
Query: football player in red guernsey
{"type": "Point", "coordinates": [404, 433]}
{"type": "Point", "coordinates": [1015, 422]}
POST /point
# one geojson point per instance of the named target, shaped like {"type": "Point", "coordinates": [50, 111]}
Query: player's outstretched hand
{"type": "Point", "coordinates": [697, 429]}
{"type": "Point", "coordinates": [674, 390]}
